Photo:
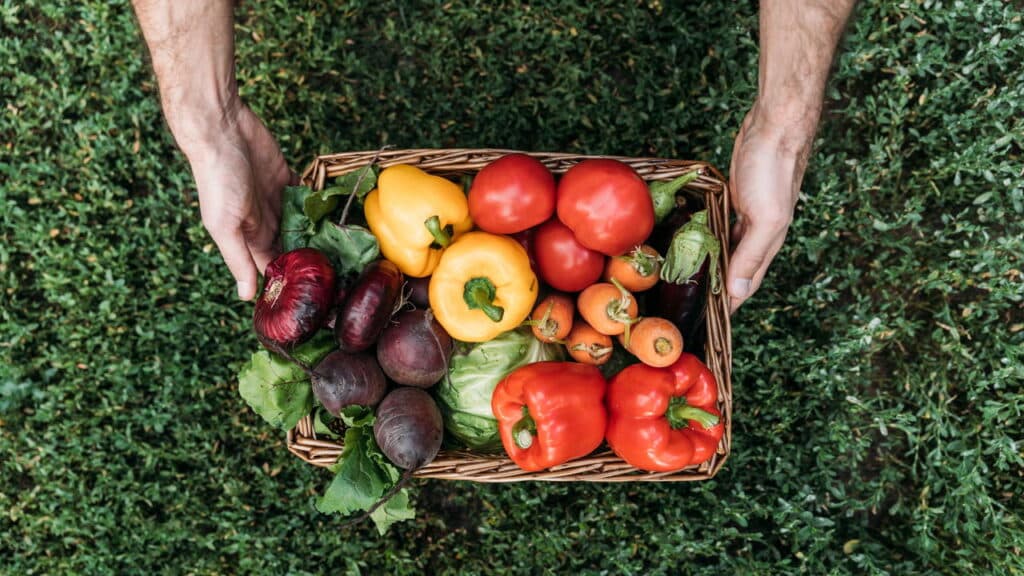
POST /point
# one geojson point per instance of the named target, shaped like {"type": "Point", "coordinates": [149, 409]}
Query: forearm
{"type": "Point", "coordinates": [191, 43]}
{"type": "Point", "coordinates": [798, 42]}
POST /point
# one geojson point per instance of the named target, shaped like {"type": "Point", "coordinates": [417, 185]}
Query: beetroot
{"type": "Point", "coordinates": [342, 379]}
{"type": "Point", "coordinates": [414, 349]}
{"type": "Point", "coordinates": [418, 292]}
{"type": "Point", "coordinates": [408, 428]}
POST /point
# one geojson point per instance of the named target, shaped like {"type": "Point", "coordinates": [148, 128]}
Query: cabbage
{"type": "Point", "coordinates": [474, 370]}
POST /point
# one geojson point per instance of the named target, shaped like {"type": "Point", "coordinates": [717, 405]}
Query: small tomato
{"type": "Point", "coordinates": [562, 262]}
{"type": "Point", "coordinates": [511, 194]}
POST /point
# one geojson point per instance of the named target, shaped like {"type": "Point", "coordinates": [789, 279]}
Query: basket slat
{"type": "Point", "coordinates": [602, 466]}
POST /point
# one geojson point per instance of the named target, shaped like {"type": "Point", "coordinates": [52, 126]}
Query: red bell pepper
{"type": "Point", "coordinates": [664, 419]}
{"type": "Point", "coordinates": [550, 412]}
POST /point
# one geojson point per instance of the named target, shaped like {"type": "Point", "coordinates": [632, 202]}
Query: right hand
{"type": "Point", "coordinates": [239, 174]}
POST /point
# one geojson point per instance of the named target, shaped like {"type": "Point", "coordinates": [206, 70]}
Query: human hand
{"type": "Point", "coordinates": [768, 163]}
{"type": "Point", "coordinates": [239, 175]}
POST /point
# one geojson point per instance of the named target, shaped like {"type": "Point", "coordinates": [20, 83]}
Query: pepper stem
{"type": "Point", "coordinates": [442, 236]}
{"type": "Point", "coordinates": [479, 294]}
{"type": "Point", "coordinates": [680, 413]}
{"type": "Point", "coordinates": [524, 430]}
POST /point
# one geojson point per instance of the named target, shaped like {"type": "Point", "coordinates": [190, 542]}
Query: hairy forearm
{"type": "Point", "coordinates": [191, 43]}
{"type": "Point", "coordinates": [798, 42]}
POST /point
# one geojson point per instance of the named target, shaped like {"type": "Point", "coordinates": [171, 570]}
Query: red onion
{"type": "Point", "coordinates": [298, 294]}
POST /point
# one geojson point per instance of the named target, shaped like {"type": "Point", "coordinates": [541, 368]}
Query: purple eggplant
{"type": "Point", "coordinates": [683, 304]}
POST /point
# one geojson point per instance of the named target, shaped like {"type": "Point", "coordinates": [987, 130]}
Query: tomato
{"type": "Point", "coordinates": [562, 262]}
{"type": "Point", "coordinates": [511, 194]}
{"type": "Point", "coordinates": [607, 206]}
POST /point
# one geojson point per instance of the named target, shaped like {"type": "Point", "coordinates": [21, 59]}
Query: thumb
{"type": "Point", "coordinates": [749, 262]}
{"type": "Point", "coordinates": [233, 247]}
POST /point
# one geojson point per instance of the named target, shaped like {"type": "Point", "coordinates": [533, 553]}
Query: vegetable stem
{"type": "Point", "coordinates": [442, 236]}
{"type": "Point", "coordinates": [691, 245]}
{"type": "Point", "coordinates": [680, 413]}
{"type": "Point", "coordinates": [663, 194]}
{"type": "Point", "coordinates": [479, 294]}
{"type": "Point", "coordinates": [662, 345]}
{"type": "Point", "coordinates": [618, 309]}
{"type": "Point", "coordinates": [524, 430]}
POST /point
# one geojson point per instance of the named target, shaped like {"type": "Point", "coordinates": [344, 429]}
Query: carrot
{"type": "Point", "coordinates": [588, 346]}
{"type": "Point", "coordinates": [552, 318]}
{"type": "Point", "coordinates": [609, 308]}
{"type": "Point", "coordinates": [637, 270]}
{"type": "Point", "coordinates": [655, 342]}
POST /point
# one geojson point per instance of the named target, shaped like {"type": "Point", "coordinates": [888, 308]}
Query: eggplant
{"type": "Point", "coordinates": [683, 305]}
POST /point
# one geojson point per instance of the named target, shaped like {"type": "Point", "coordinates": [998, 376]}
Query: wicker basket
{"type": "Point", "coordinates": [602, 466]}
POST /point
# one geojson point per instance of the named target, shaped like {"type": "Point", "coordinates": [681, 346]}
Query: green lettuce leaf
{"type": "Point", "coordinates": [464, 397]}
{"type": "Point", "coordinates": [278, 390]}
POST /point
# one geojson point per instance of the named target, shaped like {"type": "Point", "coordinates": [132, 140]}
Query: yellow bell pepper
{"type": "Point", "coordinates": [415, 216]}
{"type": "Point", "coordinates": [482, 287]}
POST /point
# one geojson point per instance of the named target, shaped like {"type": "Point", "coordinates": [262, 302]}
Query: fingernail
{"type": "Point", "coordinates": [739, 287]}
{"type": "Point", "coordinates": [245, 290]}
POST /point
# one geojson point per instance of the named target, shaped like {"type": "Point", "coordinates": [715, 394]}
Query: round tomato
{"type": "Point", "coordinates": [511, 194]}
{"type": "Point", "coordinates": [607, 206]}
{"type": "Point", "coordinates": [562, 262]}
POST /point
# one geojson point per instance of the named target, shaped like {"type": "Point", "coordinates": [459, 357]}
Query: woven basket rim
{"type": "Point", "coordinates": [603, 465]}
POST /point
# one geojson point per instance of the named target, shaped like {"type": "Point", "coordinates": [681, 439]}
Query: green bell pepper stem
{"type": "Point", "coordinates": [524, 430]}
{"type": "Point", "coordinates": [680, 413]}
{"type": "Point", "coordinates": [479, 294]}
{"type": "Point", "coordinates": [442, 236]}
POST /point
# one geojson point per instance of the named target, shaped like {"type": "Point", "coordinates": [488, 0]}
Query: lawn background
{"type": "Point", "coordinates": [878, 372]}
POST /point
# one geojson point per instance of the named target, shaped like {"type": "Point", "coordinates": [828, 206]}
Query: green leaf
{"type": "Point", "coordinates": [355, 415]}
{"type": "Point", "coordinates": [359, 481]}
{"type": "Point", "coordinates": [325, 425]}
{"type": "Point", "coordinates": [362, 181]}
{"type": "Point", "coordinates": [278, 390]}
{"type": "Point", "coordinates": [394, 510]}
{"type": "Point", "coordinates": [320, 204]}
{"type": "Point", "coordinates": [296, 227]}
{"type": "Point", "coordinates": [350, 248]}
{"type": "Point", "coordinates": [363, 475]}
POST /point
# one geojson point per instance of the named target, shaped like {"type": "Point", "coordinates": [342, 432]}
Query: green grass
{"type": "Point", "coordinates": [878, 373]}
